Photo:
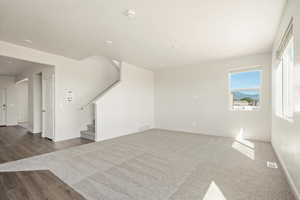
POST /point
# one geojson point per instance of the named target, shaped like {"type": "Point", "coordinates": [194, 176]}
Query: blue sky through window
{"type": "Point", "coordinates": [249, 79]}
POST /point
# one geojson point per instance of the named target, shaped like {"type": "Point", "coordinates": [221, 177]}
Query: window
{"type": "Point", "coordinates": [245, 90]}
{"type": "Point", "coordinates": [284, 75]}
{"type": "Point", "coordinates": [284, 82]}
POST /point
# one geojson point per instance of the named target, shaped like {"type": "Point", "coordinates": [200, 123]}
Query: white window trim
{"type": "Point", "coordinates": [283, 114]}
{"type": "Point", "coordinates": [246, 69]}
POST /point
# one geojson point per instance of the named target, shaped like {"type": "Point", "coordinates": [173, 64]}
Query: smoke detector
{"type": "Point", "coordinates": [129, 13]}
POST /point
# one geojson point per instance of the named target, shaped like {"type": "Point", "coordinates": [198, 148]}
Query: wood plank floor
{"type": "Point", "coordinates": [17, 143]}
{"type": "Point", "coordinates": [35, 185]}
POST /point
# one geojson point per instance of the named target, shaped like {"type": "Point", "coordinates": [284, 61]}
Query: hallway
{"type": "Point", "coordinates": [17, 143]}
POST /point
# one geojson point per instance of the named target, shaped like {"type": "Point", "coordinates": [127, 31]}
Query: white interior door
{"type": "Point", "coordinates": [2, 107]}
{"type": "Point", "coordinates": [48, 105]}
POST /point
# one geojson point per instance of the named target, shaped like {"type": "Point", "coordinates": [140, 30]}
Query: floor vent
{"type": "Point", "coordinates": [272, 165]}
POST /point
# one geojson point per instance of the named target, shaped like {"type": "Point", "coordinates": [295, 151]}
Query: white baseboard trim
{"type": "Point", "coordinates": [289, 177]}
{"type": "Point", "coordinates": [126, 134]}
{"type": "Point", "coordinates": [11, 124]}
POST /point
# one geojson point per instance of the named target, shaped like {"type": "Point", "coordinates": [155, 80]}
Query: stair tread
{"type": "Point", "coordinates": [91, 127]}
{"type": "Point", "coordinates": [88, 137]}
{"type": "Point", "coordinates": [88, 132]}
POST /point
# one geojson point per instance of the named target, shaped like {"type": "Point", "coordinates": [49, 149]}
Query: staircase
{"type": "Point", "coordinates": [90, 132]}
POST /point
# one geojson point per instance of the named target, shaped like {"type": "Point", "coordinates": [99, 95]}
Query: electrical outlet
{"type": "Point", "coordinates": [272, 165]}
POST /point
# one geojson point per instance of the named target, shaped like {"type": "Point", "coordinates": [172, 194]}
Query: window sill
{"type": "Point", "coordinates": [290, 120]}
{"type": "Point", "coordinates": [237, 110]}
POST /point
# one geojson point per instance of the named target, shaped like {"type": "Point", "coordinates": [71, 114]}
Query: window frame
{"type": "Point", "coordinates": [284, 96]}
{"type": "Point", "coordinates": [241, 70]}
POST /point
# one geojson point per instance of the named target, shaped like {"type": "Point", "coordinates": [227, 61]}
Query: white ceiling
{"type": "Point", "coordinates": [13, 67]}
{"type": "Point", "coordinates": [163, 32]}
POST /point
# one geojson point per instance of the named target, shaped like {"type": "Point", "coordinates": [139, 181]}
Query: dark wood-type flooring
{"type": "Point", "coordinates": [17, 143]}
{"type": "Point", "coordinates": [35, 185]}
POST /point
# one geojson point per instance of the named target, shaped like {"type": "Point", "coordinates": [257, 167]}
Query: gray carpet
{"type": "Point", "coordinates": [159, 164]}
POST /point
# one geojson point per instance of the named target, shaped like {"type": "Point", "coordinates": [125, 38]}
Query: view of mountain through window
{"type": "Point", "coordinates": [245, 90]}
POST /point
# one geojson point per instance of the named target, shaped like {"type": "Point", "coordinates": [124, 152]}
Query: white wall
{"type": "Point", "coordinates": [6, 81]}
{"type": "Point", "coordinates": [22, 89]}
{"type": "Point", "coordinates": [196, 99]}
{"type": "Point", "coordinates": [70, 74]}
{"type": "Point", "coordinates": [285, 134]}
{"type": "Point", "coordinates": [128, 107]}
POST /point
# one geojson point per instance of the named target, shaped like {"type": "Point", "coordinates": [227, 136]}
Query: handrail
{"type": "Point", "coordinates": [114, 63]}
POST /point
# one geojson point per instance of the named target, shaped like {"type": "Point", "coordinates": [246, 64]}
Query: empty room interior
{"type": "Point", "coordinates": [150, 100]}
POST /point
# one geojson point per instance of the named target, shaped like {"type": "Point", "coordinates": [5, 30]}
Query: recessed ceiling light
{"type": "Point", "coordinates": [108, 42]}
{"type": "Point", "coordinates": [129, 13]}
{"type": "Point", "coordinates": [9, 62]}
{"type": "Point", "coordinates": [28, 41]}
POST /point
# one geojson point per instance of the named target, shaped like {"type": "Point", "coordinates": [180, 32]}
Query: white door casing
{"type": "Point", "coordinates": [48, 105]}
{"type": "Point", "coordinates": [2, 107]}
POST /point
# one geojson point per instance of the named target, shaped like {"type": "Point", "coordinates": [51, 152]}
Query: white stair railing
{"type": "Point", "coordinates": [117, 65]}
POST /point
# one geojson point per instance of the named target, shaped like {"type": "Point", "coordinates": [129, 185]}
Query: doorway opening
{"type": "Point", "coordinates": [27, 96]}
